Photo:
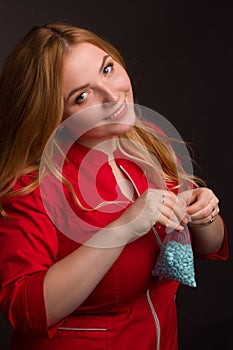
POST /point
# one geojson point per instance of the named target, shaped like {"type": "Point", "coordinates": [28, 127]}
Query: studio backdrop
{"type": "Point", "coordinates": [179, 56]}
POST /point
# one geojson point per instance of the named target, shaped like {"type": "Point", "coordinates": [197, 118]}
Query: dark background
{"type": "Point", "coordinates": [179, 55]}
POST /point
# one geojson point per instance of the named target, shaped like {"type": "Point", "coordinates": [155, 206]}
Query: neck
{"type": "Point", "coordinates": [107, 146]}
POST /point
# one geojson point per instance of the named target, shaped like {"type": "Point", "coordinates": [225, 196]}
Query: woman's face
{"type": "Point", "coordinates": [98, 90]}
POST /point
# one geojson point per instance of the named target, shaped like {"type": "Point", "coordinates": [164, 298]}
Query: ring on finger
{"type": "Point", "coordinates": [212, 218]}
{"type": "Point", "coordinates": [163, 199]}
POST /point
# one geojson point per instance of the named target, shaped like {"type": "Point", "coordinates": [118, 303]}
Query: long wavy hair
{"type": "Point", "coordinates": [31, 107]}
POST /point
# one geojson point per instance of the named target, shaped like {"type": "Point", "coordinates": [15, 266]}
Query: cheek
{"type": "Point", "coordinates": [74, 110]}
{"type": "Point", "coordinates": [126, 86]}
{"type": "Point", "coordinates": [124, 79]}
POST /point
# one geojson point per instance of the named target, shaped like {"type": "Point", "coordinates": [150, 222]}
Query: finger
{"type": "Point", "coordinates": [187, 196]}
{"type": "Point", "coordinates": [213, 204]}
{"type": "Point", "coordinates": [176, 214]}
{"type": "Point", "coordinates": [169, 219]}
{"type": "Point", "coordinates": [212, 218]}
{"type": "Point", "coordinates": [205, 212]}
{"type": "Point", "coordinates": [198, 206]}
{"type": "Point", "coordinates": [202, 197]}
{"type": "Point", "coordinates": [200, 220]}
{"type": "Point", "coordinates": [173, 201]}
{"type": "Point", "coordinates": [206, 221]}
{"type": "Point", "coordinates": [178, 210]}
{"type": "Point", "coordinates": [169, 199]}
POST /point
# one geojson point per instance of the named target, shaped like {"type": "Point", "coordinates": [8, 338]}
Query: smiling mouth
{"type": "Point", "coordinates": [118, 113]}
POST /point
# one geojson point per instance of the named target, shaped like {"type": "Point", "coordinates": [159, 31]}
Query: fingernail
{"type": "Point", "coordinates": [188, 217]}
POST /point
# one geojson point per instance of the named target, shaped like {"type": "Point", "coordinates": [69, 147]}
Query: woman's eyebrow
{"type": "Point", "coordinates": [103, 63]}
{"type": "Point", "coordinates": [85, 86]}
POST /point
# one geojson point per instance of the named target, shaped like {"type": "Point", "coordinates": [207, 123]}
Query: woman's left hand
{"type": "Point", "coordinates": [202, 206]}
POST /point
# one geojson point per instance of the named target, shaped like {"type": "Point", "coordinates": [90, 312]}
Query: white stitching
{"type": "Point", "coordinates": [156, 319]}
{"type": "Point", "coordinates": [81, 329]}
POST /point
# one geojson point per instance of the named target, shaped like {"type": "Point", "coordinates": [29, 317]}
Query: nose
{"type": "Point", "coordinates": [108, 93]}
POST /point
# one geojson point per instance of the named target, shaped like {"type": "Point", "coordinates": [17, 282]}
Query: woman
{"type": "Point", "coordinates": [77, 289]}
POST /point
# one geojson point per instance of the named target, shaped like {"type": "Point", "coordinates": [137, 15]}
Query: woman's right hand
{"type": "Point", "coordinates": [155, 206]}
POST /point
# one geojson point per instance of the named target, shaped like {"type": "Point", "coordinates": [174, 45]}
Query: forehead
{"type": "Point", "coordinates": [82, 54]}
{"type": "Point", "coordinates": [81, 64]}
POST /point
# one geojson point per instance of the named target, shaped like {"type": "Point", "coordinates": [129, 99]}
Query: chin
{"type": "Point", "coordinates": [123, 128]}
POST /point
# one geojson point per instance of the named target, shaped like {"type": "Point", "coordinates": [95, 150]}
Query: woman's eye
{"type": "Point", "coordinates": [80, 98]}
{"type": "Point", "coordinates": [108, 68]}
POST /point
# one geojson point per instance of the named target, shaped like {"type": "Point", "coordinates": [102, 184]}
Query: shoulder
{"type": "Point", "coordinates": [22, 199]}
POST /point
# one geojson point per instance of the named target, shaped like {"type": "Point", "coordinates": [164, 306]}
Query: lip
{"type": "Point", "coordinates": [119, 113]}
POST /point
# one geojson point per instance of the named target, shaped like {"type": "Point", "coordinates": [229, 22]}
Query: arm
{"type": "Point", "coordinates": [69, 281]}
{"type": "Point", "coordinates": [29, 267]}
{"type": "Point", "coordinates": [36, 290]}
{"type": "Point", "coordinates": [64, 292]}
{"type": "Point", "coordinates": [208, 238]}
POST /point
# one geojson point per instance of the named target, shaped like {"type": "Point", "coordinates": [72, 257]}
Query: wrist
{"type": "Point", "coordinates": [203, 224]}
{"type": "Point", "coordinates": [207, 238]}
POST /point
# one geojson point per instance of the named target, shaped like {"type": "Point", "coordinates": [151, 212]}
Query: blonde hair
{"type": "Point", "coordinates": [31, 105]}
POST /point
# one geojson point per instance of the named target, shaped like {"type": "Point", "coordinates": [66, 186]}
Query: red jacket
{"type": "Point", "coordinates": [129, 309]}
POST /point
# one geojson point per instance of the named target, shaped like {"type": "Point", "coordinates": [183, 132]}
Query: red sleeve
{"type": "Point", "coordinates": [28, 247]}
{"type": "Point", "coordinates": [222, 253]}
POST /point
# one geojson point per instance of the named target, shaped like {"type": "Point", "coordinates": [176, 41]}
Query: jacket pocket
{"type": "Point", "coordinates": [82, 329]}
{"type": "Point", "coordinates": [87, 338]}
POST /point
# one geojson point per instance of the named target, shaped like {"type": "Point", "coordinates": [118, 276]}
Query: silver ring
{"type": "Point", "coordinates": [212, 219]}
{"type": "Point", "coordinates": [163, 199]}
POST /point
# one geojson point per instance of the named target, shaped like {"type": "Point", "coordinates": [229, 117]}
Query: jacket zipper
{"type": "Point", "coordinates": [154, 314]}
{"type": "Point", "coordinates": [130, 178]}
{"type": "Point", "coordinates": [156, 319]}
{"type": "Point", "coordinates": [138, 194]}
{"type": "Point", "coordinates": [157, 237]}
